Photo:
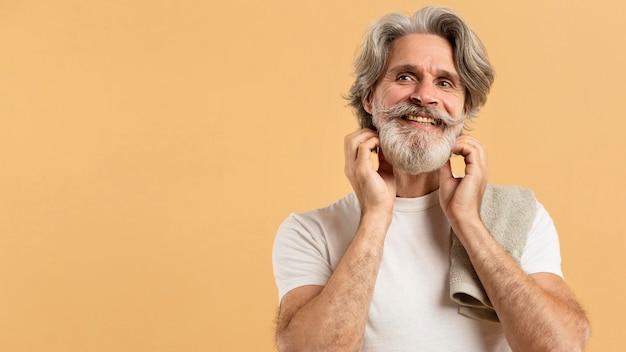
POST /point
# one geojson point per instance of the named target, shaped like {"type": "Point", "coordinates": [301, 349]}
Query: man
{"type": "Point", "coordinates": [374, 271]}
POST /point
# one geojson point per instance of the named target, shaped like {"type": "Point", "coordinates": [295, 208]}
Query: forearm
{"type": "Point", "coordinates": [533, 318]}
{"type": "Point", "coordinates": [336, 318]}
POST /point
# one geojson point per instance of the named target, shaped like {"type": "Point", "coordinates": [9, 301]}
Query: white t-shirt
{"type": "Point", "coordinates": [411, 309]}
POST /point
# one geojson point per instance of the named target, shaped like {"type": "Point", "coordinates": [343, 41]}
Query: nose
{"type": "Point", "coordinates": [424, 94]}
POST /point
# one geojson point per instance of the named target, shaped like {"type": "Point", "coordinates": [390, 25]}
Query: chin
{"type": "Point", "coordinates": [420, 168]}
{"type": "Point", "coordinates": [416, 160]}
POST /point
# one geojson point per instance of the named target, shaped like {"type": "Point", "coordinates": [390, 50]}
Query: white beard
{"type": "Point", "coordinates": [415, 151]}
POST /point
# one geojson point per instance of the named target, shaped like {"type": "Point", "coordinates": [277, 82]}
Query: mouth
{"type": "Point", "coordinates": [423, 120]}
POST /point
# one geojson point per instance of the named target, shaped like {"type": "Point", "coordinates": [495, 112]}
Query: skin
{"type": "Point", "coordinates": [537, 312]}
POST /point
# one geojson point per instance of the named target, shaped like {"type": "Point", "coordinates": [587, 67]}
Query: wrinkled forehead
{"type": "Point", "coordinates": [419, 52]}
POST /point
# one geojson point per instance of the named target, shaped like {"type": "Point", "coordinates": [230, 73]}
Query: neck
{"type": "Point", "coordinates": [412, 186]}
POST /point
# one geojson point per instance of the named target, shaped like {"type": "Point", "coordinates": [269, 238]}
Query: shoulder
{"type": "Point", "coordinates": [511, 203]}
{"type": "Point", "coordinates": [497, 193]}
{"type": "Point", "coordinates": [344, 208]}
{"type": "Point", "coordinates": [328, 226]}
{"type": "Point", "coordinates": [308, 245]}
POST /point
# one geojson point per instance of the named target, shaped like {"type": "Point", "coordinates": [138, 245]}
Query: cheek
{"type": "Point", "coordinates": [455, 106]}
{"type": "Point", "coordinates": [394, 96]}
{"type": "Point", "coordinates": [456, 131]}
{"type": "Point", "coordinates": [388, 96]}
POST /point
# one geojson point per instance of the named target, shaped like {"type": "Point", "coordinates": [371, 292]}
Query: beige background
{"type": "Point", "coordinates": [149, 150]}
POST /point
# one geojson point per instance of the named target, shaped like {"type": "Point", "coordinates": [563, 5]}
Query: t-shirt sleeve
{"type": "Point", "coordinates": [299, 256]}
{"type": "Point", "coordinates": [542, 251]}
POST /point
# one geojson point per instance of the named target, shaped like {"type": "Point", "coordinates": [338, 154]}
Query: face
{"type": "Point", "coordinates": [417, 103]}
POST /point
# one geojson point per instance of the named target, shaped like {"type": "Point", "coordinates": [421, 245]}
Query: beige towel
{"type": "Point", "coordinates": [508, 214]}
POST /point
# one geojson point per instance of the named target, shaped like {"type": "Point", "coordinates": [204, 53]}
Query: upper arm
{"type": "Point", "coordinates": [542, 252]}
{"type": "Point", "coordinates": [300, 255]}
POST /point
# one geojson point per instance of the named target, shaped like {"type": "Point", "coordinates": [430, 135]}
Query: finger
{"type": "Point", "coordinates": [464, 144]}
{"type": "Point", "coordinates": [354, 139]}
{"type": "Point", "coordinates": [471, 149]}
{"type": "Point", "coordinates": [366, 147]}
{"type": "Point", "coordinates": [358, 147]}
{"type": "Point", "coordinates": [475, 159]}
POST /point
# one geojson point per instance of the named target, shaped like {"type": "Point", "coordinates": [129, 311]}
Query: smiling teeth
{"type": "Point", "coordinates": [421, 119]}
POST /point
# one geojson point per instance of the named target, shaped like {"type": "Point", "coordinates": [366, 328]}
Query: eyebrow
{"type": "Point", "coordinates": [413, 68]}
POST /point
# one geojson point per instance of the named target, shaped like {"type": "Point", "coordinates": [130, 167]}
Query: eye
{"type": "Point", "coordinates": [445, 84]}
{"type": "Point", "coordinates": [404, 78]}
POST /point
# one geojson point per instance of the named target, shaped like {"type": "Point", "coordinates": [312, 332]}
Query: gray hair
{"type": "Point", "coordinates": [470, 56]}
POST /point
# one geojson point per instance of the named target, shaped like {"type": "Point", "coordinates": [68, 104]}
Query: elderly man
{"type": "Point", "coordinates": [416, 259]}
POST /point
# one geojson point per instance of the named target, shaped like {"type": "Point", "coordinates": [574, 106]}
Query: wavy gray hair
{"type": "Point", "coordinates": [470, 56]}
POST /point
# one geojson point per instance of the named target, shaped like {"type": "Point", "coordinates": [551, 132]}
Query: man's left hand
{"type": "Point", "coordinates": [460, 198]}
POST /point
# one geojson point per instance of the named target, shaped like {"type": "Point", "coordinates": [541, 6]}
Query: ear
{"type": "Point", "coordinates": [367, 102]}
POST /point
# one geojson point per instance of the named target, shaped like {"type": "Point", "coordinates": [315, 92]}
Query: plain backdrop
{"type": "Point", "coordinates": [149, 149]}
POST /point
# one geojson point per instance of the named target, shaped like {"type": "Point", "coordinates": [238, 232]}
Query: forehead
{"type": "Point", "coordinates": [425, 51]}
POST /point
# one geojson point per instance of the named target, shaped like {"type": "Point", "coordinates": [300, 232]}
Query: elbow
{"type": "Point", "coordinates": [286, 342]}
{"type": "Point", "coordinates": [576, 332]}
{"type": "Point", "coordinates": [578, 339]}
{"type": "Point", "coordinates": [281, 343]}
{"type": "Point", "coordinates": [584, 332]}
{"type": "Point", "coordinates": [289, 342]}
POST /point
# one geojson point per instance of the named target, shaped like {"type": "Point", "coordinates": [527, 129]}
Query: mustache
{"type": "Point", "coordinates": [404, 108]}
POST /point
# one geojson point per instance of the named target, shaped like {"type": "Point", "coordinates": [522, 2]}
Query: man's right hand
{"type": "Point", "coordinates": [376, 189]}
{"type": "Point", "coordinates": [334, 316]}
